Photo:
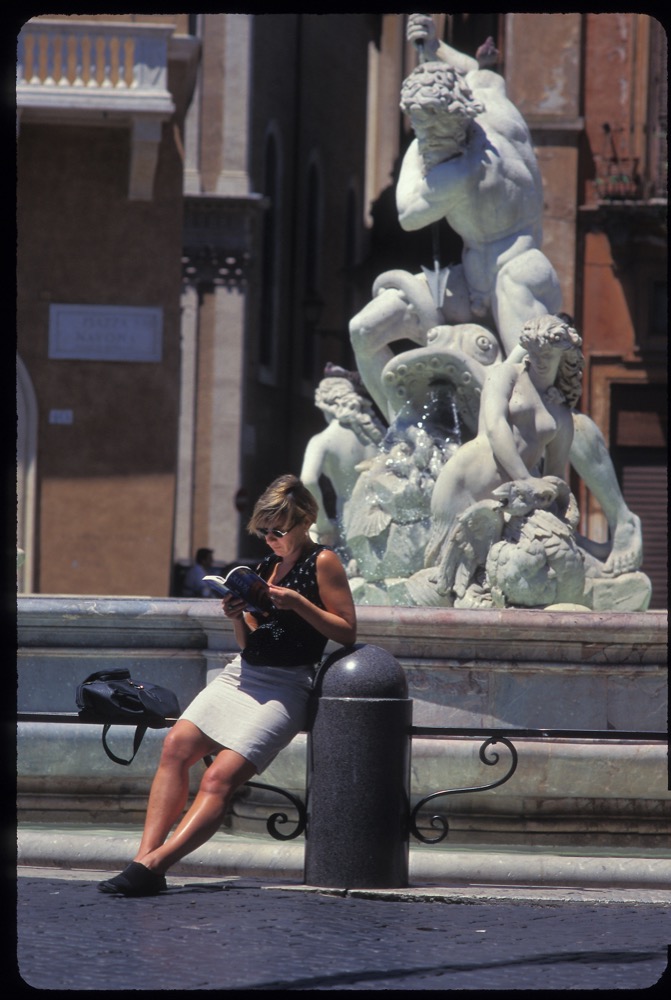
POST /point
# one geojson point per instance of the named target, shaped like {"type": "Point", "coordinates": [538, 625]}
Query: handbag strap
{"type": "Point", "coordinates": [137, 740]}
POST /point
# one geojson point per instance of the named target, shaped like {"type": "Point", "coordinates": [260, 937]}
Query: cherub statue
{"type": "Point", "coordinates": [351, 436]}
{"type": "Point", "coordinates": [512, 550]}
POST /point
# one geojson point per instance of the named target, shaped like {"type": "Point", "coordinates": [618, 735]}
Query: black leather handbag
{"type": "Point", "coordinates": [110, 696]}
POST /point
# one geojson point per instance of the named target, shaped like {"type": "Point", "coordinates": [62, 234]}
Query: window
{"type": "Point", "coordinates": [657, 116]}
{"type": "Point", "coordinates": [312, 301]}
{"type": "Point", "coordinates": [639, 453]}
{"type": "Point", "coordinates": [269, 312]}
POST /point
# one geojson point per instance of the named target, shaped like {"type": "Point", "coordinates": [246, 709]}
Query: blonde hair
{"type": "Point", "coordinates": [286, 501]}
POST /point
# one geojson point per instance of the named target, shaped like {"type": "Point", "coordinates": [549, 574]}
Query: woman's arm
{"type": "Point", "coordinates": [243, 622]}
{"type": "Point", "coordinates": [337, 620]}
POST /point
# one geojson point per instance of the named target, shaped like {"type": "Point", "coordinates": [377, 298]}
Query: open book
{"type": "Point", "coordinates": [243, 582]}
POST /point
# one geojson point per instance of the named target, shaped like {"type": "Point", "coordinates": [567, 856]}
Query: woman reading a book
{"type": "Point", "coordinates": [258, 703]}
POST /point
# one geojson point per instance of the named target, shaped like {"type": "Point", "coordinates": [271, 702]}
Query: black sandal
{"type": "Point", "coordinates": [135, 880]}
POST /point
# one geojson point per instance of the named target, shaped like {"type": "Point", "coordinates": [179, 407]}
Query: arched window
{"type": "Point", "coordinates": [269, 311]}
{"type": "Point", "coordinates": [312, 231]}
{"type": "Point", "coordinates": [351, 259]}
{"type": "Point", "coordinates": [312, 300]}
{"type": "Point", "coordinates": [26, 454]}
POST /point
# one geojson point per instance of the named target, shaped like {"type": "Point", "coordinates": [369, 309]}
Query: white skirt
{"type": "Point", "coordinates": [254, 710]}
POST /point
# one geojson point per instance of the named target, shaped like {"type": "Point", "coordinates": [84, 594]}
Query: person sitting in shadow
{"type": "Point", "coordinates": [194, 585]}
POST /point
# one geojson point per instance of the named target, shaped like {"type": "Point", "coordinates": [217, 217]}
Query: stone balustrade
{"type": "Point", "coordinates": [110, 66]}
{"type": "Point", "coordinates": [102, 73]}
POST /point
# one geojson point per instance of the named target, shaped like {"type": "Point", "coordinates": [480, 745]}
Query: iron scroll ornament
{"type": "Point", "coordinates": [441, 822]}
{"type": "Point", "coordinates": [277, 817]}
{"type": "Point", "coordinates": [280, 817]}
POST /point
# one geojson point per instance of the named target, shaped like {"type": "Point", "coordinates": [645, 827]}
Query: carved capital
{"type": "Point", "coordinates": [219, 240]}
{"type": "Point", "coordinates": [210, 266]}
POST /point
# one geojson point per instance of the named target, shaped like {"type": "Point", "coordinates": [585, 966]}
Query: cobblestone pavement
{"type": "Point", "coordinates": [245, 934]}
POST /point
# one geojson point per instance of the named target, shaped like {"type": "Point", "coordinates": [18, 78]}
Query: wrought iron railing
{"type": "Point", "coordinates": [487, 755]}
{"type": "Point", "coordinates": [490, 738]}
{"type": "Point", "coordinates": [281, 817]}
{"type": "Point", "coordinates": [490, 758]}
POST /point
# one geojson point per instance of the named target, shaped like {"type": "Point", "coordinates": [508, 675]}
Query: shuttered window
{"type": "Point", "coordinates": [639, 453]}
{"type": "Point", "coordinates": [643, 478]}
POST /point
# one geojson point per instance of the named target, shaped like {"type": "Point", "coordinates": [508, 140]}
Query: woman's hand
{"type": "Point", "coordinates": [233, 606]}
{"type": "Point", "coordinates": [243, 623]}
{"type": "Point", "coordinates": [337, 618]}
{"type": "Point", "coordinates": [285, 599]}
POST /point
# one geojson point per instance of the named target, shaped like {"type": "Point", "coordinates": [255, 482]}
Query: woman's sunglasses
{"type": "Point", "coordinates": [275, 532]}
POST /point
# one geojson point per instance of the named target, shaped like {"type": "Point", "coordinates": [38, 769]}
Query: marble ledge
{"type": "Point", "coordinates": [510, 635]}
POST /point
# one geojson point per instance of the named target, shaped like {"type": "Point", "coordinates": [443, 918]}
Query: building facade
{"type": "Point", "coordinates": [99, 218]}
{"type": "Point", "coordinates": [204, 201]}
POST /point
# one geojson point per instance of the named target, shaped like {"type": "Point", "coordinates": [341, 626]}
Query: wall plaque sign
{"type": "Point", "coordinates": [105, 333]}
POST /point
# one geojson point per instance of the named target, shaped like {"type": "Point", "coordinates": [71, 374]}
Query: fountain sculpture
{"type": "Point", "coordinates": [461, 499]}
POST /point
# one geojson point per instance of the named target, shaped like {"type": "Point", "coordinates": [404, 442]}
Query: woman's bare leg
{"type": "Point", "coordinates": [203, 818]}
{"type": "Point", "coordinates": [183, 746]}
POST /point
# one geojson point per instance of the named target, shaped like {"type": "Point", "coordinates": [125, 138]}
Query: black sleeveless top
{"type": "Point", "coordinates": [283, 638]}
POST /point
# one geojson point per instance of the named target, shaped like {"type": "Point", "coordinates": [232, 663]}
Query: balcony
{"type": "Point", "coordinates": [618, 180]}
{"type": "Point", "coordinates": [622, 178]}
{"type": "Point", "coordinates": [98, 73]}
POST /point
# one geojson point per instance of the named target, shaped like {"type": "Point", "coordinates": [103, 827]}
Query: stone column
{"type": "Point", "coordinates": [183, 540]}
{"type": "Point", "coordinates": [233, 176]}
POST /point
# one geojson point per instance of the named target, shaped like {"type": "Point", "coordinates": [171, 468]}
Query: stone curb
{"type": "Point", "coordinates": [413, 893]}
{"type": "Point", "coordinates": [225, 855]}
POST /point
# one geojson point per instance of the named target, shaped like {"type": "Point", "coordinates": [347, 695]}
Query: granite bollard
{"type": "Point", "coordinates": [359, 773]}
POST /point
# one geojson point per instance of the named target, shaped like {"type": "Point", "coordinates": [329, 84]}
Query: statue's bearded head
{"type": "Point", "coordinates": [440, 106]}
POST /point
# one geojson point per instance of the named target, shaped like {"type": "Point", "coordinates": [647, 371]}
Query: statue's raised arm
{"type": "Point", "coordinates": [421, 31]}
